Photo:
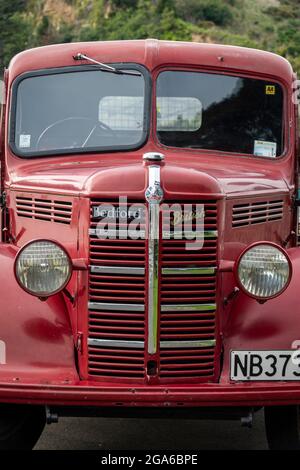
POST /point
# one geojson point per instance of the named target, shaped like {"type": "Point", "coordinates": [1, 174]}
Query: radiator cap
{"type": "Point", "coordinates": [153, 156]}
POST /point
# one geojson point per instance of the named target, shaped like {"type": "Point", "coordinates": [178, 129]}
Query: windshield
{"type": "Point", "coordinates": [220, 112]}
{"type": "Point", "coordinates": [79, 111]}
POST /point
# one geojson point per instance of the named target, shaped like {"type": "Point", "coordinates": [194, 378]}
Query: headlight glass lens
{"type": "Point", "coordinates": [264, 271]}
{"type": "Point", "coordinates": [43, 268]}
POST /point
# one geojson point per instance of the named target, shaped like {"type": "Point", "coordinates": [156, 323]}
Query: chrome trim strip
{"type": "Point", "coordinates": [116, 307]}
{"type": "Point", "coordinates": [122, 234]}
{"type": "Point", "coordinates": [115, 343]}
{"type": "Point", "coordinates": [154, 195]}
{"type": "Point", "coordinates": [189, 308]}
{"type": "Point", "coordinates": [188, 271]}
{"type": "Point", "coordinates": [153, 277]}
{"type": "Point", "coordinates": [188, 344]}
{"type": "Point", "coordinates": [118, 270]}
{"type": "Point", "coordinates": [189, 235]}
{"type": "Point", "coordinates": [96, 342]}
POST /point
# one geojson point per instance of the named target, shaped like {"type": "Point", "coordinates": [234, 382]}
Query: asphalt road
{"type": "Point", "coordinates": [135, 434]}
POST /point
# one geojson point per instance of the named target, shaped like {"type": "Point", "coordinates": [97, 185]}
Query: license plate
{"type": "Point", "coordinates": [265, 365]}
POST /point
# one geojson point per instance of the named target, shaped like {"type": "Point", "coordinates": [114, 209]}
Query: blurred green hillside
{"type": "Point", "coordinates": [272, 25]}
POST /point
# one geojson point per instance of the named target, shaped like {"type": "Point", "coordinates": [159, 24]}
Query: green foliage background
{"type": "Point", "coordinates": [272, 25]}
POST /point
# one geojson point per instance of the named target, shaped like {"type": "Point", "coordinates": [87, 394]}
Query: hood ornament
{"type": "Point", "coordinates": [154, 193]}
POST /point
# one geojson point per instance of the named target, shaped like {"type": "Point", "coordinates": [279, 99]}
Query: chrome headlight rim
{"type": "Point", "coordinates": [237, 264]}
{"type": "Point", "coordinates": [43, 295]}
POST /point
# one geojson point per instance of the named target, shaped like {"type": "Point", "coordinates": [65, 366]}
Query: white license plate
{"type": "Point", "coordinates": [265, 365]}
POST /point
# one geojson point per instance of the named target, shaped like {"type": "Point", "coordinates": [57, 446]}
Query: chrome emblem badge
{"type": "Point", "coordinates": [154, 193]}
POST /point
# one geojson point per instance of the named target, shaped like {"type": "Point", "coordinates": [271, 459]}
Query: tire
{"type": "Point", "coordinates": [282, 427]}
{"type": "Point", "coordinates": [20, 426]}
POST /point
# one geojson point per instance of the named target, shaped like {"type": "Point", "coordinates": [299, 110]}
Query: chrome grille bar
{"type": "Point", "coordinates": [188, 271]}
{"type": "Point", "coordinates": [116, 307]}
{"type": "Point", "coordinates": [115, 343]}
{"type": "Point", "coordinates": [123, 234]}
{"type": "Point", "coordinates": [95, 342]}
{"type": "Point", "coordinates": [188, 344]}
{"type": "Point", "coordinates": [189, 235]}
{"type": "Point", "coordinates": [118, 270]}
{"type": "Point", "coordinates": [188, 308]}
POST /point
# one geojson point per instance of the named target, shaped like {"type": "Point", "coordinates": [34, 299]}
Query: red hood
{"type": "Point", "coordinates": [126, 175]}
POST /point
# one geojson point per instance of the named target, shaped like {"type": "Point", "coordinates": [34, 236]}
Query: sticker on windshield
{"type": "Point", "coordinates": [24, 140]}
{"type": "Point", "coordinates": [265, 149]}
{"type": "Point", "coordinates": [270, 90]}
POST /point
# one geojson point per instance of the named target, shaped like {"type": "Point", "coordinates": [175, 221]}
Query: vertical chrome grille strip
{"type": "Point", "coordinates": [153, 277]}
{"type": "Point", "coordinates": [154, 195]}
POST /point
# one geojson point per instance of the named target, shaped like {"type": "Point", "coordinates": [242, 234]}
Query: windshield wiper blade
{"type": "Point", "coordinates": [105, 67]}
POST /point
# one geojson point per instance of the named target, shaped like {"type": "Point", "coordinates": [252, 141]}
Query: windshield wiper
{"type": "Point", "coordinates": [105, 67]}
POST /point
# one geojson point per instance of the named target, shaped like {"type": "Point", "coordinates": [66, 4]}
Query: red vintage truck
{"type": "Point", "coordinates": [149, 236]}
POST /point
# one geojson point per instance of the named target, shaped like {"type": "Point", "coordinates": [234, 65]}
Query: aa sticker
{"type": "Point", "coordinates": [270, 90]}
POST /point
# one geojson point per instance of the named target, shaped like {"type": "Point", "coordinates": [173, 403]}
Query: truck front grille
{"type": "Point", "coordinates": [188, 302]}
{"type": "Point", "coordinates": [116, 297]}
{"type": "Point", "coordinates": [117, 321]}
{"type": "Point", "coordinates": [112, 362]}
{"type": "Point", "coordinates": [187, 363]}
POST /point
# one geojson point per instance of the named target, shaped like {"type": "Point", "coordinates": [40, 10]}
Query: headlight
{"type": "Point", "coordinates": [264, 271]}
{"type": "Point", "coordinates": [42, 268]}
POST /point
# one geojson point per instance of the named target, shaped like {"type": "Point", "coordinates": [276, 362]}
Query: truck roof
{"type": "Point", "coordinates": [153, 53]}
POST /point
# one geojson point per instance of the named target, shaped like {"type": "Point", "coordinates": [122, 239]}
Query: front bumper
{"type": "Point", "coordinates": [206, 395]}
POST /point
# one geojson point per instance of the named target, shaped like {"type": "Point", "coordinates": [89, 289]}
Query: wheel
{"type": "Point", "coordinates": [282, 427]}
{"type": "Point", "coordinates": [20, 426]}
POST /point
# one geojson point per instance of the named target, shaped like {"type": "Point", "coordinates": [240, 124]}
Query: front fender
{"type": "Point", "coordinates": [273, 325]}
{"type": "Point", "coordinates": [36, 341]}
